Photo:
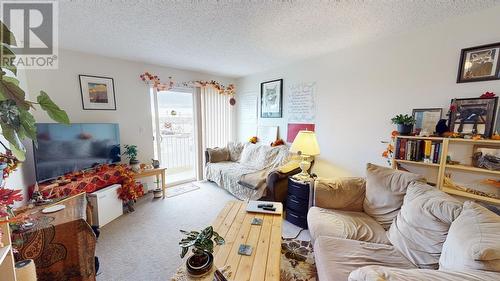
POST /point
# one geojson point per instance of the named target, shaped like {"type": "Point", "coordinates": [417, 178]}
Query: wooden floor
{"type": "Point", "coordinates": [234, 224]}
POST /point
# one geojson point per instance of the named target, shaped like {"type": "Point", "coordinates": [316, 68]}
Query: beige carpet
{"type": "Point", "coordinates": [142, 246]}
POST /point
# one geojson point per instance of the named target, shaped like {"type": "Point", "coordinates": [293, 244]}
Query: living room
{"type": "Point", "coordinates": [296, 134]}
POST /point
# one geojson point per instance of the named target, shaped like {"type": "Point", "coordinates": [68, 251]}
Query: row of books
{"type": "Point", "coordinates": [418, 150]}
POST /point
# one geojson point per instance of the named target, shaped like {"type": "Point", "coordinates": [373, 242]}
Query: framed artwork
{"type": "Point", "coordinates": [271, 99]}
{"type": "Point", "coordinates": [473, 116]}
{"type": "Point", "coordinates": [98, 93]}
{"type": "Point", "coordinates": [426, 119]}
{"type": "Point", "coordinates": [479, 63]}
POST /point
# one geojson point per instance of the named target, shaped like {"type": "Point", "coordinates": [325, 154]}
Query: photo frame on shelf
{"type": "Point", "coordinates": [480, 63]}
{"type": "Point", "coordinates": [98, 93]}
{"type": "Point", "coordinates": [471, 116]}
{"type": "Point", "coordinates": [271, 99]}
{"type": "Point", "coordinates": [426, 119]}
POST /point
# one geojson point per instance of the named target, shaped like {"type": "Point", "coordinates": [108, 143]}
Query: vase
{"type": "Point", "coordinates": [135, 165]}
{"type": "Point", "coordinates": [404, 129]}
{"type": "Point", "coordinates": [198, 265]}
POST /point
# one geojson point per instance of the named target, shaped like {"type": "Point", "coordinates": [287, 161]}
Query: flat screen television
{"type": "Point", "coordinates": [67, 148]}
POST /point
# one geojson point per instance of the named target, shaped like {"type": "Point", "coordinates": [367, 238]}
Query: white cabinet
{"type": "Point", "coordinates": [106, 206]}
{"type": "Point", "coordinates": [7, 272]}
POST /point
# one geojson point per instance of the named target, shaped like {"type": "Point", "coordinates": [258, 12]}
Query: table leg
{"type": "Point", "coordinates": [163, 185]}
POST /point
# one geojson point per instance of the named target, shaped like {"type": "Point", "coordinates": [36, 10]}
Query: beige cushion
{"type": "Point", "coordinates": [345, 224]}
{"type": "Point", "coordinates": [421, 226]}
{"type": "Point", "coordinates": [335, 258]}
{"type": "Point", "coordinates": [218, 154]}
{"type": "Point", "coordinates": [235, 149]}
{"type": "Point", "coordinates": [345, 194]}
{"type": "Point", "coordinates": [385, 189]}
{"type": "Point", "coordinates": [384, 273]}
{"type": "Point", "coordinates": [473, 241]}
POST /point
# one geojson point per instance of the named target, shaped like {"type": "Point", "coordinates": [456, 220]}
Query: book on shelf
{"type": "Point", "coordinates": [418, 150]}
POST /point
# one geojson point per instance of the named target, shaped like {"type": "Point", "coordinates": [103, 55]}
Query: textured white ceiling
{"type": "Point", "coordinates": [237, 38]}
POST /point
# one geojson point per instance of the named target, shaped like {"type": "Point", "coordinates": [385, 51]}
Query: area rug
{"type": "Point", "coordinates": [297, 261]}
{"type": "Point", "coordinates": [181, 189]}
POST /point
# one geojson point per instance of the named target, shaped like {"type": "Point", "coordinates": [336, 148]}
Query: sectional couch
{"type": "Point", "coordinates": [391, 225]}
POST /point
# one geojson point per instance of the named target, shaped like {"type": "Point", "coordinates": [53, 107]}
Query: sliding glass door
{"type": "Point", "coordinates": [175, 134]}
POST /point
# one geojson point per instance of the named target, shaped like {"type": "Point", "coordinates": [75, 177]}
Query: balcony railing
{"type": "Point", "coordinates": [177, 151]}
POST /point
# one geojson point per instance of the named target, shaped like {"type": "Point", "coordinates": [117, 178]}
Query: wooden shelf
{"type": "Point", "coordinates": [472, 169]}
{"type": "Point", "coordinates": [491, 142]}
{"type": "Point", "coordinates": [470, 195]}
{"type": "Point", "coordinates": [416, 163]}
{"type": "Point", "coordinates": [421, 138]}
{"type": "Point", "coordinates": [4, 251]}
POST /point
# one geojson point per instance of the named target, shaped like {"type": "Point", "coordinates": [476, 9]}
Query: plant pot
{"type": "Point", "coordinates": [404, 130]}
{"type": "Point", "coordinates": [135, 165]}
{"type": "Point", "coordinates": [157, 193]}
{"type": "Point", "coordinates": [199, 264]}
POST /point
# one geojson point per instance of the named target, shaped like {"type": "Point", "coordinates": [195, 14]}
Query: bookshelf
{"type": "Point", "coordinates": [7, 271]}
{"type": "Point", "coordinates": [440, 168]}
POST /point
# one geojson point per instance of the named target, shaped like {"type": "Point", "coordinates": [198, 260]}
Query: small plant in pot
{"type": "Point", "coordinates": [202, 244]}
{"type": "Point", "coordinates": [404, 123]}
{"type": "Point", "coordinates": [131, 153]}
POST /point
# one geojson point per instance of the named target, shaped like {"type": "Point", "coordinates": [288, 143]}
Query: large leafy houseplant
{"type": "Point", "coordinates": [16, 121]}
{"type": "Point", "coordinates": [202, 244]}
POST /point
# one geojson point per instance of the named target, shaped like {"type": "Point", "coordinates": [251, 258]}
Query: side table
{"type": "Point", "coordinates": [299, 200]}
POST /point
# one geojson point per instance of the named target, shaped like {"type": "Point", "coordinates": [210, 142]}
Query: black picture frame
{"type": "Point", "coordinates": [84, 80]}
{"type": "Point", "coordinates": [484, 109]}
{"type": "Point", "coordinates": [269, 106]}
{"type": "Point", "coordinates": [468, 67]}
{"type": "Point", "coordinates": [418, 122]}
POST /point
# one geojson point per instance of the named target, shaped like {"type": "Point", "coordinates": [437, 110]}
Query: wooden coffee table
{"type": "Point", "coordinates": [234, 224]}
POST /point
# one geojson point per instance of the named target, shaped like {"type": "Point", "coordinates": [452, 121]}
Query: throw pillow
{"type": "Point", "coordinates": [422, 225]}
{"type": "Point", "coordinates": [235, 149]}
{"type": "Point", "coordinates": [385, 189]}
{"type": "Point", "coordinates": [217, 154]}
{"type": "Point", "coordinates": [473, 241]}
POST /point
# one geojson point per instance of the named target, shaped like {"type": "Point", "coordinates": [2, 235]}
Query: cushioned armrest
{"type": "Point", "coordinates": [342, 193]}
{"type": "Point", "coordinates": [382, 273]}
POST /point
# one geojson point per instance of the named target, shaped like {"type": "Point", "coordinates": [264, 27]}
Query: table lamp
{"type": "Point", "coordinates": [306, 145]}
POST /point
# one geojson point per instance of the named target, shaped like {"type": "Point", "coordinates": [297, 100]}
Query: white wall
{"type": "Point", "coordinates": [132, 98]}
{"type": "Point", "coordinates": [360, 88]}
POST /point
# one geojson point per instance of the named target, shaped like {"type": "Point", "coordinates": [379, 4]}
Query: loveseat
{"type": "Point", "coordinates": [391, 225]}
{"type": "Point", "coordinates": [251, 171]}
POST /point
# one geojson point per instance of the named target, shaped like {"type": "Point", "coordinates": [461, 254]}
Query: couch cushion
{"type": "Point", "coordinates": [385, 190]}
{"type": "Point", "coordinates": [216, 155]}
{"type": "Point", "coordinates": [346, 194]}
{"type": "Point", "coordinates": [345, 224]}
{"type": "Point", "coordinates": [235, 149]}
{"type": "Point", "coordinates": [421, 226]}
{"type": "Point", "coordinates": [473, 240]}
{"type": "Point", "coordinates": [384, 273]}
{"type": "Point", "coordinates": [335, 258]}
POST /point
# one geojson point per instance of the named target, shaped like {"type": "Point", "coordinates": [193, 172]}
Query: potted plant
{"type": "Point", "coordinates": [404, 123]}
{"type": "Point", "coordinates": [202, 244]}
{"type": "Point", "coordinates": [131, 153]}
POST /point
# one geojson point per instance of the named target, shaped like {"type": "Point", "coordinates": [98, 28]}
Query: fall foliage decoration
{"type": "Point", "coordinates": [388, 153]}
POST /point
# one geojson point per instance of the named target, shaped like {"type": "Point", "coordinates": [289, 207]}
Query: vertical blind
{"type": "Point", "coordinates": [216, 118]}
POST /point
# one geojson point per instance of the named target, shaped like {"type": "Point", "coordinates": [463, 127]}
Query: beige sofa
{"type": "Point", "coordinates": [393, 226]}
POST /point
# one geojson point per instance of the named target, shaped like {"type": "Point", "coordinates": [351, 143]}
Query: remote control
{"type": "Point", "coordinates": [265, 205]}
{"type": "Point", "coordinates": [269, 209]}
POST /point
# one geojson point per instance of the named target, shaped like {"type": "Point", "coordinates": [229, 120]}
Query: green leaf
{"type": "Point", "coordinates": [7, 36]}
{"type": "Point", "coordinates": [11, 80]}
{"type": "Point", "coordinates": [184, 252]}
{"type": "Point", "coordinates": [11, 136]}
{"type": "Point", "coordinates": [52, 109]}
{"type": "Point", "coordinates": [9, 90]}
{"type": "Point", "coordinates": [7, 53]}
{"type": "Point", "coordinates": [28, 124]}
{"type": "Point", "coordinates": [20, 154]}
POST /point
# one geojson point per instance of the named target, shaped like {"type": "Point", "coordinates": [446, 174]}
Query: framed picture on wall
{"type": "Point", "coordinates": [473, 116]}
{"type": "Point", "coordinates": [271, 99]}
{"type": "Point", "coordinates": [426, 119]}
{"type": "Point", "coordinates": [98, 93]}
{"type": "Point", "coordinates": [479, 63]}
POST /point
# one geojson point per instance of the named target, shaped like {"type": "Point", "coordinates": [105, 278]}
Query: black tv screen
{"type": "Point", "coordinates": [68, 148]}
